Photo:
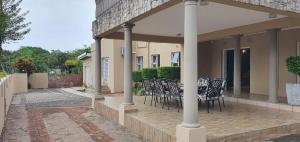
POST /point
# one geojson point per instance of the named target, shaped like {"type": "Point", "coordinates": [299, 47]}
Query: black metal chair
{"type": "Point", "coordinates": [176, 93]}
{"type": "Point", "coordinates": [213, 93]}
{"type": "Point", "coordinates": [148, 89]}
{"type": "Point", "coordinates": [223, 87]}
{"type": "Point", "coordinates": [159, 92]}
{"type": "Point", "coordinates": [203, 84]}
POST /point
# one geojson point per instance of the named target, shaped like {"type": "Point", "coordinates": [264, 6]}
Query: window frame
{"type": "Point", "coordinates": [179, 59]}
{"type": "Point", "coordinates": [156, 65]}
{"type": "Point", "coordinates": [139, 66]}
{"type": "Point", "coordinates": [105, 70]}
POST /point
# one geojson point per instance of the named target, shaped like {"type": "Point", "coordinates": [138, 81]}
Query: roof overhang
{"type": "Point", "coordinates": [84, 56]}
{"type": "Point", "coordinates": [111, 20]}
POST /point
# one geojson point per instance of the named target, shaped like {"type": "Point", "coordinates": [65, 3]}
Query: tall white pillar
{"type": "Point", "coordinates": [128, 98]}
{"type": "Point", "coordinates": [98, 65]}
{"type": "Point", "coordinates": [190, 129]}
{"type": "Point", "coordinates": [190, 108]}
{"type": "Point", "coordinates": [273, 66]}
{"type": "Point", "coordinates": [237, 66]}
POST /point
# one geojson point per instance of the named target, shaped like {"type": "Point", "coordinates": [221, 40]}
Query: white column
{"type": "Point", "coordinates": [190, 129]}
{"type": "Point", "coordinates": [273, 68]}
{"type": "Point", "coordinates": [190, 108]}
{"type": "Point", "coordinates": [237, 66]}
{"type": "Point", "coordinates": [98, 65]}
{"type": "Point", "coordinates": [128, 98]}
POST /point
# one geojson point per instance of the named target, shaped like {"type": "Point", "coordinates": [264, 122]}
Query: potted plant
{"type": "Point", "coordinates": [293, 90]}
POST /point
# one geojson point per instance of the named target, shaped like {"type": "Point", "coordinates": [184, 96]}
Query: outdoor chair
{"type": "Point", "coordinates": [176, 93]}
{"type": "Point", "coordinates": [213, 93]}
{"type": "Point", "coordinates": [148, 89]}
{"type": "Point", "coordinates": [203, 84]}
{"type": "Point", "coordinates": [159, 92]}
{"type": "Point", "coordinates": [223, 87]}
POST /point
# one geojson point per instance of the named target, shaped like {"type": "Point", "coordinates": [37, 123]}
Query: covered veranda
{"type": "Point", "coordinates": [195, 24]}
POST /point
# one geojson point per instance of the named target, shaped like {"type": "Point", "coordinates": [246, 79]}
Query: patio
{"type": "Point", "coordinates": [237, 122]}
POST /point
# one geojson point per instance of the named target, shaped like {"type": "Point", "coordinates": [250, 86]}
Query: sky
{"type": "Point", "coordinates": [57, 24]}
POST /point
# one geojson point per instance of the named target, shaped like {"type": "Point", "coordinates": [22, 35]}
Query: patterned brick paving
{"type": "Point", "coordinates": [56, 116]}
{"type": "Point", "coordinates": [37, 128]}
{"type": "Point", "coordinates": [38, 131]}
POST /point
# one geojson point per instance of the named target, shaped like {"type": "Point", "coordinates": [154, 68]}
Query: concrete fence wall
{"type": "Point", "coordinates": [38, 80]}
{"type": "Point", "coordinates": [10, 85]}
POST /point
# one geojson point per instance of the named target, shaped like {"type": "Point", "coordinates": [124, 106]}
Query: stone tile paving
{"type": "Point", "coordinates": [235, 119]}
{"type": "Point", "coordinates": [56, 116]}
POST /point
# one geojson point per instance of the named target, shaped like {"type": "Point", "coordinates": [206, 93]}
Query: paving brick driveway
{"type": "Point", "coordinates": [52, 115]}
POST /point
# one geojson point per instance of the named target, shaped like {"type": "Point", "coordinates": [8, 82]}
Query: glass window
{"type": "Point", "coordinates": [139, 62]}
{"type": "Point", "coordinates": [175, 59]}
{"type": "Point", "coordinates": [105, 70]}
{"type": "Point", "coordinates": [155, 61]}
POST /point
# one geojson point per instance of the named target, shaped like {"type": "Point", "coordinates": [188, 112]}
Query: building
{"type": "Point", "coordinates": [246, 42]}
{"type": "Point", "coordinates": [144, 55]}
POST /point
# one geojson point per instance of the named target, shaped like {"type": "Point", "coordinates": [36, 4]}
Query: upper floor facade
{"type": "Point", "coordinates": [111, 14]}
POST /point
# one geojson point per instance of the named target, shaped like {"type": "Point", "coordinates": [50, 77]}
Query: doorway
{"type": "Point", "coordinates": [229, 69]}
{"type": "Point", "coordinates": [245, 70]}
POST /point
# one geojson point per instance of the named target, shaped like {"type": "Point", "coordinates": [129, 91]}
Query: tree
{"type": "Point", "coordinates": [74, 66]}
{"type": "Point", "coordinates": [25, 66]}
{"type": "Point", "coordinates": [57, 59]}
{"type": "Point", "coordinates": [38, 56]}
{"type": "Point", "coordinates": [13, 26]}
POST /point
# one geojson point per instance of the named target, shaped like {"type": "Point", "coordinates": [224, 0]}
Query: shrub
{"type": "Point", "coordinates": [170, 73]}
{"type": "Point", "coordinates": [293, 64]}
{"type": "Point", "coordinates": [2, 74]}
{"type": "Point", "coordinates": [137, 76]}
{"type": "Point", "coordinates": [25, 66]}
{"type": "Point", "coordinates": [149, 73]}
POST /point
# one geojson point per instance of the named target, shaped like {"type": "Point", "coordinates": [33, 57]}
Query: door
{"type": "Point", "coordinates": [229, 69]}
{"type": "Point", "coordinates": [245, 60]}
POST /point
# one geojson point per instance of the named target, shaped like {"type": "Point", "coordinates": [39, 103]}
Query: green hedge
{"type": "Point", "coordinates": [2, 74]}
{"type": "Point", "coordinates": [137, 76]}
{"type": "Point", "coordinates": [170, 73]}
{"type": "Point", "coordinates": [149, 73]}
{"type": "Point", "coordinates": [293, 64]}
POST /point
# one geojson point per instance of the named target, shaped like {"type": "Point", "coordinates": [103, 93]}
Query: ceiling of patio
{"type": "Point", "coordinates": [212, 17]}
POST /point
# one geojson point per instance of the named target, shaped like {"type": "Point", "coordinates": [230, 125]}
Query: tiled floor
{"type": "Point", "coordinates": [235, 119]}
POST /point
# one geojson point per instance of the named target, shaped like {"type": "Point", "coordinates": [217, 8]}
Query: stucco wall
{"type": "Point", "coordinates": [10, 85]}
{"type": "Point", "coordinates": [38, 80]}
{"type": "Point", "coordinates": [259, 47]}
{"type": "Point", "coordinates": [87, 73]}
{"type": "Point", "coordinates": [107, 51]}
{"type": "Point", "coordinates": [93, 62]}
{"type": "Point", "coordinates": [288, 46]}
{"type": "Point", "coordinates": [20, 81]}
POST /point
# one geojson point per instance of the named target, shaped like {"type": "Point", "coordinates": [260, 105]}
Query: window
{"type": "Point", "coordinates": [175, 59]}
{"type": "Point", "coordinates": [155, 61]}
{"type": "Point", "coordinates": [105, 70]}
{"type": "Point", "coordinates": [139, 62]}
